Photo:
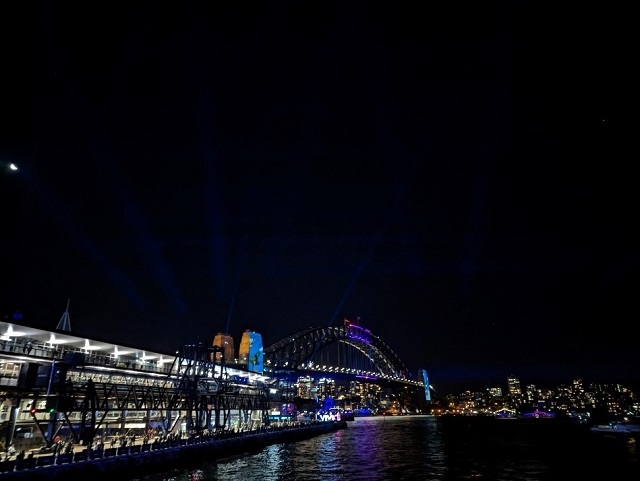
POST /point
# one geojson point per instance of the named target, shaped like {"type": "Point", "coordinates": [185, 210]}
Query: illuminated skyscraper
{"type": "Point", "coordinates": [513, 385]}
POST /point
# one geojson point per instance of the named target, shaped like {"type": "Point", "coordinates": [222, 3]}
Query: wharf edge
{"type": "Point", "coordinates": [150, 458]}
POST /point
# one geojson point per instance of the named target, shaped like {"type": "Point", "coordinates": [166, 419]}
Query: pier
{"type": "Point", "coordinates": [54, 385]}
{"type": "Point", "coordinates": [139, 459]}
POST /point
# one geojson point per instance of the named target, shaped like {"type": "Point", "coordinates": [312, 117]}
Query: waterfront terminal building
{"type": "Point", "coordinates": [54, 384]}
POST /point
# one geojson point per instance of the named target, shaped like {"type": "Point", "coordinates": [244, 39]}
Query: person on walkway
{"type": "Point", "coordinates": [11, 450]}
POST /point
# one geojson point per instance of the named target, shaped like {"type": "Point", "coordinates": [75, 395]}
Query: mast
{"type": "Point", "coordinates": [65, 321]}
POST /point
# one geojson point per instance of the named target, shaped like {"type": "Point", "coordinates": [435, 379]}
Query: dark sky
{"type": "Point", "coordinates": [460, 178]}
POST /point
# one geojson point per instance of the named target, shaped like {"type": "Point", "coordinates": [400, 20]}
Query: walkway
{"type": "Point", "coordinates": [155, 455]}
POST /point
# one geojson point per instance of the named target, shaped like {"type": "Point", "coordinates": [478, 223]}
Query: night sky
{"type": "Point", "coordinates": [460, 178]}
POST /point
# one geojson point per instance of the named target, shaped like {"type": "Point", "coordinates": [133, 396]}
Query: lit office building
{"type": "Point", "coordinates": [513, 386]}
{"type": "Point", "coordinates": [495, 392]}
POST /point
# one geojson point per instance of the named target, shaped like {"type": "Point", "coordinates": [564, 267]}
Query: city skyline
{"type": "Point", "coordinates": [457, 178]}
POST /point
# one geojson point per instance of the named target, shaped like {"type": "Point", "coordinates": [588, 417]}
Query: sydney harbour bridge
{"type": "Point", "coordinates": [360, 368]}
{"type": "Point", "coordinates": [55, 381]}
{"type": "Point", "coordinates": [347, 350]}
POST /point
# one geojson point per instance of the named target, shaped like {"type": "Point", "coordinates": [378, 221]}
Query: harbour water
{"type": "Point", "coordinates": [429, 448]}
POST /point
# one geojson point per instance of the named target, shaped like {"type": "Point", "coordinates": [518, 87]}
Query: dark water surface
{"type": "Point", "coordinates": [429, 448]}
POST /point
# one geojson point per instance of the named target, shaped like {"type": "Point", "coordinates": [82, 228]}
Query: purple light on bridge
{"type": "Point", "coordinates": [374, 378]}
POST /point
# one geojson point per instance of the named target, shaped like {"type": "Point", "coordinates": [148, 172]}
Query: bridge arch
{"type": "Point", "coordinates": [302, 348]}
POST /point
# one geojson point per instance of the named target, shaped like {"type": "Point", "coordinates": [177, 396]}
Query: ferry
{"type": "Point", "coordinates": [617, 427]}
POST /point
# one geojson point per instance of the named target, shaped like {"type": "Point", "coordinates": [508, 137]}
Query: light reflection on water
{"type": "Point", "coordinates": [415, 448]}
{"type": "Point", "coordinates": [370, 448]}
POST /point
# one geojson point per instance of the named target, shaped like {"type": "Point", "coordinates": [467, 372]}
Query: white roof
{"type": "Point", "coordinates": [10, 331]}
